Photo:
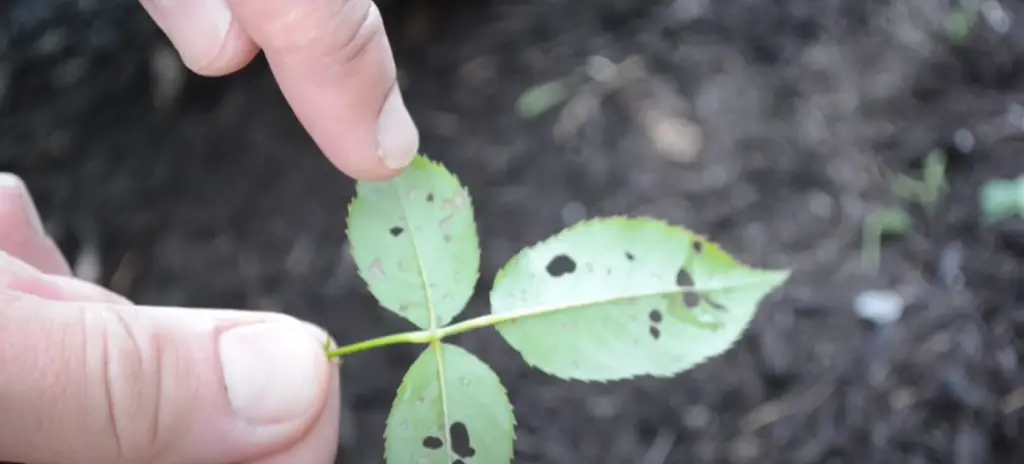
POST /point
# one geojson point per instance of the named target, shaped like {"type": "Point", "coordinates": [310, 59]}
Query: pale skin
{"type": "Point", "coordinates": [87, 376]}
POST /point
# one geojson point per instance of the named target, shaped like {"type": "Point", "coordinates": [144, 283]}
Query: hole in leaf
{"type": "Point", "coordinates": [629, 256]}
{"type": "Point", "coordinates": [655, 332]}
{"type": "Point", "coordinates": [432, 443]}
{"type": "Point", "coordinates": [655, 316]}
{"type": "Point", "coordinates": [396, 231]}
{"type": "Point", "coordinates": [460, 440]}
{"type": "Point", "coordinates": [683, 278]}
{"type": "Point", "coordinates": [561, 265]}
{"type": "Point", "coordinates": [376, 269]}
{"type": "Point", "coordinates": [430, 198]}
{"type": "Point", "coordinates": [691, 299]}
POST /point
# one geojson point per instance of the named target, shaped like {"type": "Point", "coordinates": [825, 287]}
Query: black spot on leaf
{"type": "Point", "coordinates": [655, 332]}
{"type": "Point", "coordinates": [629, 256]}
{"type": "Point", "coordinates": [432, 443]}
{"type": "Point", "coordinates": [655, 316]}
{"type": "Point", "coordinates": [698, 246]}
{"type": "Point", "coordinates": [396, 231]}
{"type": "Point", "coordinates": [691, 299]}
{"type": "Point", "coordinates": [561, 265]}
{"type": "Point", "coordinates": [430, 198]}
{"type": "Point", "coordinates": [460, 440]}
{"type": "Point", "coordinates": [714, 304]}
{"type": "Point", "coordinates": [683, 278]}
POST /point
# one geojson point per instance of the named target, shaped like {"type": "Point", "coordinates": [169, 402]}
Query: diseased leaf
{"type": "Point", "coordinates": [615, 298]}
{"type": "Point", "coordinates": [451, 408]}
{"type": "Point", "coordinates": [415, 243]}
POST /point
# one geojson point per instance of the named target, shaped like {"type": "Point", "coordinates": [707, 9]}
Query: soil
{"type": "Point", "coordinates": [210, 194]}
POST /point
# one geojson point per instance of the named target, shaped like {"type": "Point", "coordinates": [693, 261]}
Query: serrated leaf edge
{"type": "Point", "coordinates": [436, 347]}
{"type": "Point", "coordinates": [434, 323]}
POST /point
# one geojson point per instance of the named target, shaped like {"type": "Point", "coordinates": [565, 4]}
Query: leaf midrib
{"type": "Point", "coordinates": [432, 325]}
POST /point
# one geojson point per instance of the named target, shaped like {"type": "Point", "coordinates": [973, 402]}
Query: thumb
{"type": "Point", "coordinates": [116, 383]}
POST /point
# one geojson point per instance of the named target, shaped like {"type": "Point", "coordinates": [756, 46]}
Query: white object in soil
{"type": "Point", "coordinates": [881, 307]}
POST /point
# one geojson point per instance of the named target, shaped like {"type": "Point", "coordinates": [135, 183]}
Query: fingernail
{"type": "Point", "coordinates": [397, 135]}
{"type": "Point", "coordinates": [273, 372]}
{"type": "Point", "coordinates": [14, 183]}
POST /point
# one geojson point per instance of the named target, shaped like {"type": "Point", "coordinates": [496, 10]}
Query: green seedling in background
{"type": "Point", "coordinates": [960, 23]}
{"type": "Point", "coordinates": [881, 223]}
{"type": "Point", "coordinates": [1002, 199]}
{"type": "Point", "coordinates": [928, 191]}
{"type": "Point", "coordinates": [606, 299]}
{"type": "Point", "coordinates": [540, 99]}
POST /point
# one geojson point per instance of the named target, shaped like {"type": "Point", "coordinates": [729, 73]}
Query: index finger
{"type": "Point", "coordinates": [334, 64]}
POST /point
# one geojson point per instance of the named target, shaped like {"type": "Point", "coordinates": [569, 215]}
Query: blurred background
{"type": "Point", "coordinates": [849, 140]}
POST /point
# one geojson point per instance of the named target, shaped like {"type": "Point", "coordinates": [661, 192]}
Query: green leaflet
{"type": "Point", "coordinates": [415, 243]}
{"type": "Point", "coordinates": [448, 386]}
{"type": "Point", "coordinates": [603, 300]}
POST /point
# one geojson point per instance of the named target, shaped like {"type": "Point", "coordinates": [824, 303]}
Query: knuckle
{"type": "Point", "coordinates": [127, 371]}
{"type": "Point", "coordinates": [366, 29]}
{"type": "Point", "coordinates": [343, 34]}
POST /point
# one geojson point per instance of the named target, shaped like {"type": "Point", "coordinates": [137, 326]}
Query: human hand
{"type": "Point", "coordinates": [331, 59]}
{"type": "Point", "coordinates": [88, 377]}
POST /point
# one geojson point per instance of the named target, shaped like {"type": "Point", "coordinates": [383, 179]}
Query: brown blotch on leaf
{"type": "Point", "coordinates": [714, 304]}
{"type": "Point", "coordinates": [683, 278]}
{"type": "Point", "coordinates": [460, 440]}
{"type": "Point", "coordinates": [432, 443]}
{"type": "Point", "coordinates": [561, 265]}
{"type": "Point", "coordinates": [446, 222]}
{"type": "Point", "coordinates": [691, 299]}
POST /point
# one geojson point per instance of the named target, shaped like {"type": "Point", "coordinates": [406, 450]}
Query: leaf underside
{"type": "Point", "coordinates": [415, 243]}
{"type": "Point", "coordinates": [451, 408]}
{"type": "Point", "coordinates": [615, 298]}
